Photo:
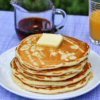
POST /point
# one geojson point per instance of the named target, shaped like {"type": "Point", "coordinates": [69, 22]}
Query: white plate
{"type": "Point", "coordinates": [7, 82]}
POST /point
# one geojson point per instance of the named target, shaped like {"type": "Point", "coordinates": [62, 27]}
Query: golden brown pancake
{"type": "Point", "coordinates": [54, 90]}
{"type": "Point", "coordinates": [53, 72]}
{"type": "Point", "coordinates": [42, 77]}
{"type": "Point", "coordinates": [49, 70]}
{"type": "Point", "coordinates": [34, 82]}
{"type": "Point", "coordinates": [71, 52]}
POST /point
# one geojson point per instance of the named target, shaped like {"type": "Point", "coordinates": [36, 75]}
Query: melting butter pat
{"type": "Point", "coordinates": [53, 40]}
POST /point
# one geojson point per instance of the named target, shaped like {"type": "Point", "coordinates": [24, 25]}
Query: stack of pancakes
{"type": "Point", "coordinates": [51, 70]}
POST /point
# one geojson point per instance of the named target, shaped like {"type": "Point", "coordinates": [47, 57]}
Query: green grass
{"type": "Point", "coordinates": [70, 6]}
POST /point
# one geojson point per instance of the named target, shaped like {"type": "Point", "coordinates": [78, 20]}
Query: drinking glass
{"type": "Point", "coordinates": [94, 18]}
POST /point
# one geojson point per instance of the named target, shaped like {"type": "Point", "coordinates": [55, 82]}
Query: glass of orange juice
{"type": "Point", "coordinates": [94, 17]}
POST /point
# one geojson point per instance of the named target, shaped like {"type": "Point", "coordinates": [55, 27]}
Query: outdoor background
{"type": "Point", "coordinates": [76, 7]}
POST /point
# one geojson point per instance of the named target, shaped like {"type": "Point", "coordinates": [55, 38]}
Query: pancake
{"type": "Point", "coordinates": [42, 77]}
{"type": "Point", "coordinates": [54, 72]}
{"type": "Point", "coordinates": [33, 82]}
{"type": "Point", "coordinates": [54, 90]}
{"type": "Point", "coordinates": [71, 52]}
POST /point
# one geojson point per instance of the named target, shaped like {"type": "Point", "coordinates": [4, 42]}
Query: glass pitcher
{"type": "Point", "coordinates": [36, 16]}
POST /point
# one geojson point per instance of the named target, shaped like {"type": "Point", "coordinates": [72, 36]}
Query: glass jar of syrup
{"type": "Point", "coordinates": [36, 16]}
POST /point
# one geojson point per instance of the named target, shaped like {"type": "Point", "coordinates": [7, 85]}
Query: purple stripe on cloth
{"type": "Point", "coordinates": [76, 26]}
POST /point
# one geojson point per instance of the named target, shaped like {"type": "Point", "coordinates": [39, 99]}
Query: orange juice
{"type": "Point", "coordinates": [95, 25]}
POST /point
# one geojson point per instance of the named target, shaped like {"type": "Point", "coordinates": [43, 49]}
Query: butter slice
{"type": "Point", "coordinates": [53, 40]}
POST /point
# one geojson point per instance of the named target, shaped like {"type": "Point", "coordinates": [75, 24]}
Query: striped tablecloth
{"type": "Point", "coordinates": [76, 26]}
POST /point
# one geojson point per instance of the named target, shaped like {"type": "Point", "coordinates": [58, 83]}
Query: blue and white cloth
{"type": "Point", "coordinates": [76, 26]}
